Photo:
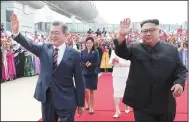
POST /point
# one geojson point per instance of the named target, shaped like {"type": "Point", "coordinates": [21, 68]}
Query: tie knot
{"type": "Point", "coordinates": [56, 49]}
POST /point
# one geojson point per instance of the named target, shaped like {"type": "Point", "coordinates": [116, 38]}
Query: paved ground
{"type": "Point", "coordinates": [17, 102]}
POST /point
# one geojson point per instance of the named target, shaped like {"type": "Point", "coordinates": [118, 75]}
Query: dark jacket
{"type": "Point", "coordinates": [92, 57]}
{"type": "Point", "coordinates": [64, 94]}
{"type": "Point", "coordinates": [153, 71]}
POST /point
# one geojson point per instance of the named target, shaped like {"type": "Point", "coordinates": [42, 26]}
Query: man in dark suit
{"type": "Point", "coordinates": [58, 64]}
{"type": "Point", "coordinates": [156, 75]}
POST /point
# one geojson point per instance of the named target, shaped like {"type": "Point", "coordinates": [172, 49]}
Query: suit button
{"type": "Point", "coordinates": [155, 66]}
{"type": "Point", "coordinates": [154, 85]}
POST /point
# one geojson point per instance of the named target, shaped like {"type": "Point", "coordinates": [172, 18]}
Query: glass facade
{"type": "Point", "coordinates": [8, 24]}
{"type": "Point", "coordinates": [48, 26]}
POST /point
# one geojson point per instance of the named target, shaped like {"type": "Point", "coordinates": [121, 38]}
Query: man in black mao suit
{"type": "Point", "coordinates": [156, 75]}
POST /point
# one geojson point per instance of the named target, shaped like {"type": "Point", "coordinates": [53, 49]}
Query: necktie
{"type": "Point", "coordinates": [55, 57]}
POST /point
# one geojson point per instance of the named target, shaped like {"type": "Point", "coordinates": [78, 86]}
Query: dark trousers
{"type": "Point", "coordinates": [49, 113]}
{"type": "Point", "coordinates": [143, 116]}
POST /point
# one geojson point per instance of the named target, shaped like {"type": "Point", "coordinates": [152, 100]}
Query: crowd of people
{"type": "Point", "coordinates": [151, 70]}
{"type": "Point", "coordinates": [18, 62]}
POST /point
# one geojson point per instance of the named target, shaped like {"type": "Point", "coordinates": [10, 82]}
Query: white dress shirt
{"type": "Point", "coordinates": [61, 50]}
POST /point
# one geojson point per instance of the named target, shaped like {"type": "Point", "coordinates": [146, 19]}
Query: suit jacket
{"type": "Point", "coordinates": [64, 94]}
{"type": "Point", "coordinates": [122, 66]}
{"type": "Point", "coordinates": [153, 72]}
{"type": "Point", "coordinates": [93, 57]}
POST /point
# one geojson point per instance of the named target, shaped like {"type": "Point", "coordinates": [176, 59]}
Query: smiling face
{"type": "Point", "coordinates": [89, 44]}
{"type": "Point", "coordinates": [150, 33]}
{"type": "Point", "coordinates": [57, 37]}
{"type": "Point", "coordinates": [58, 33]}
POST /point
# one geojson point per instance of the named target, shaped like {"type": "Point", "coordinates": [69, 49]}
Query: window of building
{"type": "Point", "coordinates": [8, 15]}
{"type": "Point", "coordinates": [45, 26]}
{"type": "Point", "coordinates": [48, 26]}
{"type": "Point", "coordinates": [40, 25]}
{"type": "Point", "coordinates": [8, 26]}
{"type": "Point", "coordinates": [92, 26]}
{"type": "Point", "coordinates": [73, 28]}
{"type": "Point", "coordinates": [80, 28]}
{"type": "Point", "coordinates": [85, 27]}
{"type": "Point", "coordinates": [36, 26]}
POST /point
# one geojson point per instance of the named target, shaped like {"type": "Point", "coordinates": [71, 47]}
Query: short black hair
{"type": "Point", "coordinates": [64, 27]}
{"type": "Point", "coordinates": [154, 21]}
{"type": "Point", "coordinates": [92, 39]}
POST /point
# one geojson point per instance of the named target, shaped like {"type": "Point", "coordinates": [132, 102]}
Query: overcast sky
{"type": "Point", "coordinates": [168, 12]}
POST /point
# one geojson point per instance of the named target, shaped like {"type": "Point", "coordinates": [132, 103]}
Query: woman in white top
{"type": "Point", "coordinates": [120, 75]}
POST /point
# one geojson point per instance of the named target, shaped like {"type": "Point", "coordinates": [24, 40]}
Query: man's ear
{"type": "Point", "coordinates": [66, 34]}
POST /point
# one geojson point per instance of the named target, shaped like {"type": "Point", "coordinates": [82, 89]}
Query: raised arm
{"type": "Point", "coordinates": [121, 49]}
{"type": "Point", "coordinates": [35, 49]}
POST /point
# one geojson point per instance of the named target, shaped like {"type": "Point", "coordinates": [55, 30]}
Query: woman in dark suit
{"type": "Point", "coordinates": [90, 61]}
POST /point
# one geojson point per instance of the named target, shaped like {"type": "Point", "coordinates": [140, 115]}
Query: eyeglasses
{"type": "Point", "coordinates": [151, 30]}
{"type": "Point", "coordinates": [55, 33]}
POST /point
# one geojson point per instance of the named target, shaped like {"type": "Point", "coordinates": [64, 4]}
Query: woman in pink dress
{"type": "Point", "coordinates": [10, 62]}
{"type": "Point", "coordinates": [5, 75]}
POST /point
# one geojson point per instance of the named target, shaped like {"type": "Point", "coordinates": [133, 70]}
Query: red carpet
{"type": "Point", "coordinates": [104, 106]}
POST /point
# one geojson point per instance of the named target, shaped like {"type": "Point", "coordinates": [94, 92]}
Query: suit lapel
{"type": "Point", "coordinates": [50, 55]}
{"type": "Point", "coordinates": [64, 58]}
{"type": "Point", "coordinates": [66, 54]}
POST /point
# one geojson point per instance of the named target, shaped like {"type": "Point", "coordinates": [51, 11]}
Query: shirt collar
{"type": "Point", "coordinates": [60, 47]}
{"type": "Point", "coordinates": [156, 47]}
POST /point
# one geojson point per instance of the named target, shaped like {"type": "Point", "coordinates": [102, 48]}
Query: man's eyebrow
{"type": "Point", "coordinates": [55, 31]}
{"type": "Point", "coordinates": [149, 28]}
